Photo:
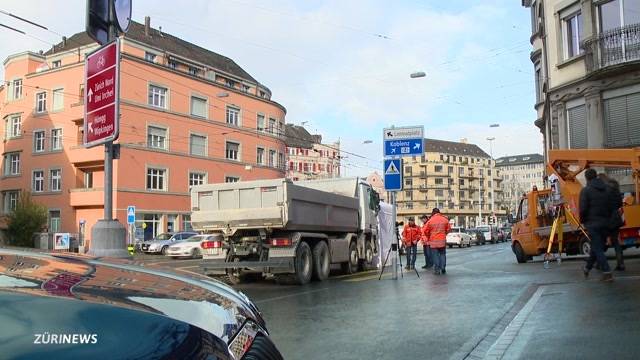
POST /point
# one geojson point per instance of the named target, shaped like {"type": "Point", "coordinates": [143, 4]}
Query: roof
{"type": "Point", "coordinates": [298, 136]}
{"type": "Point", "coordinates": [520, 160]}
{"type": "Point", "coordinates": [455, 148]}
{"type": "Point", "coordinates": [164, 41]}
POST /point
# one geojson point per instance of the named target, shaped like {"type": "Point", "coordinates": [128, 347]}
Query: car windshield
{"type": "Point", "coordinates": [195, 238]}
{"type": "Point", "coordinates": [484, 228]}
{"type": "Point", "coordinates": [165, 236]}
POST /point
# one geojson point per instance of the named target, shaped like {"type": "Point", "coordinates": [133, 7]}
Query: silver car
{"type": "Point", "coordinates": [191, 247]}
{"type": "Point", "coordinates": [160, 244]}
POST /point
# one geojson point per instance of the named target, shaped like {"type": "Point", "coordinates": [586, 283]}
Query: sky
{"type": "Point", "coordinates": [343, 67]}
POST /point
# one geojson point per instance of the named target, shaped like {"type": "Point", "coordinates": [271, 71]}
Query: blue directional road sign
{"type": "Point", "coordinates": [404, 147]}
{"type": "Point", "coordinates": [393, 174]}
{"type": "Point", "coordinates": [131, 215]}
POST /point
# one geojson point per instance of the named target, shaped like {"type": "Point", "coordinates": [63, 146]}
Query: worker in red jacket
{"type": "Point", "coordinates": [436, 234]}
{"type": "Point", "coordinates": [410, 236]}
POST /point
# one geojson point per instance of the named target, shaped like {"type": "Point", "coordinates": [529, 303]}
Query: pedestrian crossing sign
{"type": "Point", "coordinates": [393, 174]}
{"type": "Point", "coordinates": [392, 169]}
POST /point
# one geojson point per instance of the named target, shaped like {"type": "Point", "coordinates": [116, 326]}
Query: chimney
{"type": "Point", "coordinates": [464, 140]}
{"type": "Point", "coordinates": [147, 26]}
{"type": "Point", "coordinates": [64, 41]}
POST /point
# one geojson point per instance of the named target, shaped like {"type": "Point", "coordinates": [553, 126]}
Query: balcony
{"type": "Point", "coordinates": [79, 155]}
{"type": "Point", "coordinates": [81, 197]}
{"type": "Point", "coordinates": [613, 48]}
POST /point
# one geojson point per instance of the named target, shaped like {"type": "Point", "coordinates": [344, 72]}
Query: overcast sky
{"type": "Point", "coordinates": [343, 66]}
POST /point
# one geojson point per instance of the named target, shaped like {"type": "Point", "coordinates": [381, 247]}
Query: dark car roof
{"type": "Point", "coordinates": [198, 301]}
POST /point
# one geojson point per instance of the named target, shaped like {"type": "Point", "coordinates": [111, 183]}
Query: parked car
{"type": "Point", "coordinates": [458, 237]}
{"type": "Point", "coordinates": [477, 236]}
{"type": "Point", "coordinates": [490, 233]}
{"type": "Point", "coordinates": [169, 316]}
{"type": "Point", "coordinates": [190, 247]}
{"type": "Point", "coordinates": [507, 232]}
{"type": "Point", "coordinates": [160, 244]}
{"type": "Point", "coordinates": [501, 235]}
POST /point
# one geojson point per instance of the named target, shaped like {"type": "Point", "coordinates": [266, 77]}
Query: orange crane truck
{"type": "Point", "coordinates": [539, 209]}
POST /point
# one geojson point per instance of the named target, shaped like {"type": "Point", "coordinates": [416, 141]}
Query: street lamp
{"type": "Point", "coordinates": [417, 74]}
{"type": "Point", "coordinates": [490, 139]}
{"type": "Point", "coordinates": [367, 142]}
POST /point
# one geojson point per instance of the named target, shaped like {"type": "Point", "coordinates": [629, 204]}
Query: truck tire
{"type": "Point", "coordinates": [351, 266]}
{"type": "Point", "coordinates": [519, 252]}
{"type": "Point", "coordinates": [303, 267]}
{"type": "Point", "coordinates": [363, 264]}
{"type": "Point", "coordinates": [321, 261]}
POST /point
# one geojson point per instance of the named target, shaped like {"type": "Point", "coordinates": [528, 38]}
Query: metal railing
{"type": "Point", "coordinates": [613, 47]}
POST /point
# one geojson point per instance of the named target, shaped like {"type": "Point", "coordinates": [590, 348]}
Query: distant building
{"type": "Point", "coordinates": [520, 173]}
{"type": "Point", "coordinates": [308, 158]}
{"type": "Point", "coordinates": [377, 183]}
{"type": "Point", "coordinates": [456, 177]}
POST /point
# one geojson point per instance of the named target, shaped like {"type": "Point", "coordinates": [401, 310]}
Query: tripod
{"type": "Point", "coordinates": [563, 213]}
{"type": "Point", "coordinates": [394, 247]}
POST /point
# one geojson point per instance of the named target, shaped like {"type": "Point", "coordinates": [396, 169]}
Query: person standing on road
{"type": "Point", "coordinates": [616, 221]}
{"type": "Point", "coordinates": [410, 238]}
{"type": "Point", "coordinates": [428, 259]}
{"type": "Point", "coordinates": [436, 232]}
{"type": "Point", "coordinates": [595, 214]}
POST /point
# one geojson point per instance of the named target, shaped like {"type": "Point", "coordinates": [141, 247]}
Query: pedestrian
{"type": "Point", "coordinates": [616, 221]}
{"type": "Point", "coordinates": [595, 214]}
{"type": "Point", "coordinates": [410, 237]}
{"type": "Point", "coordinates": [436, 232]}
{"type": "Point", "coordinates": [428, 259]}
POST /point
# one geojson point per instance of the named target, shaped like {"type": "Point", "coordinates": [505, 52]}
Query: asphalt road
{"type": "Point", "coordinates": [486, 306]}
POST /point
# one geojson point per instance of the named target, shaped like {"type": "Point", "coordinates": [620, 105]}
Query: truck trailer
{"type": "Point", "coordinates": [293, 230]}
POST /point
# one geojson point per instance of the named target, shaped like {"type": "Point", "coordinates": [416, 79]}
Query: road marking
{"type": "Point", "coordinates": [289, 296]}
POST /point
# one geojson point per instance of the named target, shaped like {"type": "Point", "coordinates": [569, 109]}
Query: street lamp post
{"type": "Point", "coordinates": [490, 139]}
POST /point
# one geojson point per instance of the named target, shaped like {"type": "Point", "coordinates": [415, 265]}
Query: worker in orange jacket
{"type": "Point", "coordinates": [410, 236]}
{"type": "Point", "coordinates": [436, 232]}
{"type": "Point", "coordinates": [428, 261]}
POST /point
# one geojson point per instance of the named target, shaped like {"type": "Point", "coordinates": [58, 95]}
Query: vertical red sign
{"type": "Point", "coordinates": [101, 95]}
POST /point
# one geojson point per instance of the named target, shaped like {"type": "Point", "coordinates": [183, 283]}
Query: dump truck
{"type": "Point", "coordinates": [538, 208]}
{"type": "Point", "coordinates": [293, 230]}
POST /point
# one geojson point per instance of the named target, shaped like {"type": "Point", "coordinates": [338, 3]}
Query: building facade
{"type": "Point", "coordinates": [377, 183]}
{"type": "Point", "coordinates": [456, 177]}
{"type": "Point", "coordinates": [520, 174]}
{"type": "Point", "coordinates": [587, 78]}
{"type": "Point", "coordinates": [188, 116]}
{"type": "Point", "coordinates": [308, 158]}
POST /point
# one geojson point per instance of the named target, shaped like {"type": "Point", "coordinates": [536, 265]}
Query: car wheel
{"type": "Point", "coordinates": [164, 250]}
{"type": "Point", "coordinates": [196, 253]}
{"type": "Point", "coordinates": [351, 266]}
{"type": "Point", "coordinates": [321, 259]}
{"type": "Point", "coordinates": [519, 252]}
{"type": "Point", "coordinates": [585, 246]}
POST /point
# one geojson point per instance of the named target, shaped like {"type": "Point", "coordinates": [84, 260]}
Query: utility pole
{"type": "Point", "coordinates": [493, 211]}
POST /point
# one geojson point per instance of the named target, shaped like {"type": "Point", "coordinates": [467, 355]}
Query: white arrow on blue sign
{"type": "Point", "coordinates": [393, 174]}
{"type": "Point", "coordinates": [404, 147]}
{"type": "Point", "coordinates": [131, 214]}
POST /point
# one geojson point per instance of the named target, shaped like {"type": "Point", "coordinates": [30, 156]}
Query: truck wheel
{"type": "Point", "coordinates": [351, 266]}
{"type": "Point", "coordinates": [363, 264]}
{"type": "Point", "coordinates": [520, 256]}
{"type": "Point", "coordinates": [303, 264]}
{"type": "Point", "coordinates": [321, 261]}
{"type": "Point", "coordinates": [585, 246]}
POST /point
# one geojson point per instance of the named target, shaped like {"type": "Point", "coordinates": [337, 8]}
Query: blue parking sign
{"type": "Point", "coordinates": [131, 215]}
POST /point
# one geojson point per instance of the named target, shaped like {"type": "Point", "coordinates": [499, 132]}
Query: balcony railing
{"type": "Point", "coordinates": [613, 47]}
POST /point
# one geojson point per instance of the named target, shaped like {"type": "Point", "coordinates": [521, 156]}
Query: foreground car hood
{"type": "Point", "coordinates": [71, 283]}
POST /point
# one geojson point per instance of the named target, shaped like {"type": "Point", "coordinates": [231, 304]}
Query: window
{"type": "Point", "coordinates": [438, 168]}
{"type": "Point", "coordinates": [272, 158]}
{"type": "Point", "coordinates": [577, 121]}
{"type": "Point", "coordinates": [186, 223]}
{"type": "Point", "coordinates": [618, 13]}
{"type": "Point", "coordinates": [572, 34]}
{"type": "Point", "coordinates": [38, 140]}
{"type": "Point", "coordinates": [88, 179]}
{"type": "Point", "coordinates": [260, 122]}
{"type": "Point", "coordinates": [439, 193]}
{"type": "Point", "coordinates": [193, 71]}
{"type": "Point", "coordinates": [151, 57]}
{"type": "Point", "coordinates": [198, 145]}
{"type": "Point", "coordinates": [438, 181]}
{"type": "Point", "coordinates": [408, 194]}
{"type": "Point", "coordinates": [38, 181]}
{"type": "Point", "coordinates": [58, 99]}
{"type": "Point", "coordinates": [306, 167]}
{"type": "Point", "coordinates": [55, 178]}
{"type": "Point", "coordinates": [14, 127]}
{"type": "Point", "coordinates": [17, 89]}
{"type": "Point", "coordinates": [260, 156]}
{"type": "Point", "coordinates": [233, 115]}
{"type": "Point", "coordinates": [460, 172]}
{"type": "Point", "coordinates": [263, 94]}
{"type": "Point", "coordinates": [56, 139]}
{"type": "Point", "coordinates": [197, 178]}
{"type": "Point", "coordinates": [12, 164]}
{"type": "Point", "coordinates": [450, 169]}
{"type": "Point", "coordinates": [407, 181]}
{"type": "Point", "coordinates": [56, 64]}
{"type": "Point", "coordinates": [246, 88]}
{"type": "Point", "coordinates": [231, 179]}
{"type": "Point", "coordinates": [54, 221]}
{"type": "Point", "coordinates": [292, 167]}
{"type": "Point", "coordinates": [172, 64]}
{"type": "Point", "coordinates": [156, 179]}
{"type": "Point", "coordinates": [158, 96]}
{"type": "Point", "coordinates": [232, 150]}
{"type": "Point", "coordinates": [462, 194]}
{"type": "Point", "coordinates": [10, 200]}
{"type": "Point", "coordinates": [41, 102]}
{"type": "Point", "coordinates": [157, 138]}
{"type": "Point", "coordinates": [281, 163]}
{"type": "Point", "coordinates": [461, 182]}
{"type": "Point", "coordinates": [621, 114]}
{"type": "Point", "coordinates": [199, 107]}
{"type": "Point", "coordinates": [230, 83]}
{"type": "Point", "coordinates": [538, 80]}
{"type": "Point", "coordinates": [81, 94]}
{"type": "Point", "coordinates": [272, 126]}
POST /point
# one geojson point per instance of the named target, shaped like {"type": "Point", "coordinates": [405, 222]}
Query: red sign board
{"type": "Point", "coordinates": [101, 95]}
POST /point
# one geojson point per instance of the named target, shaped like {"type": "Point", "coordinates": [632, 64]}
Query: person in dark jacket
{"type": "Point", "coordinates": [595, 214]}
{"type": "Point", "coordinates": [615, 199]}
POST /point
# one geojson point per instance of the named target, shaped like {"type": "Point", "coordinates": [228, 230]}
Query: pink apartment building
{"type": "Point", "coordinates": [188, 116]}
{"type": "Point", "coordinates": [308, 158]}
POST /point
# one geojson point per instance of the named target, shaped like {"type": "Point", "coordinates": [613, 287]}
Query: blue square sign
{"type": "Point", "coordinates": [393, 174]}
{"type": "Point", "coordinates": [131, 215]}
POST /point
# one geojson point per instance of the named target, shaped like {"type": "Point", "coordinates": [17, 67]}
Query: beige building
{"type": "Point", "coordinates": [308, 158]}
{"type": "Point", "coordinates": [520, 173]}
{"type": "Point", "coordinates": [587, 79]}
{"type": "Point", "coordinates": [456, 177]}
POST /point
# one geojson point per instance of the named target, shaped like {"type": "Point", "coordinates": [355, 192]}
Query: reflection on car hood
{"type": "Point", "coordinates": [207, 304]}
